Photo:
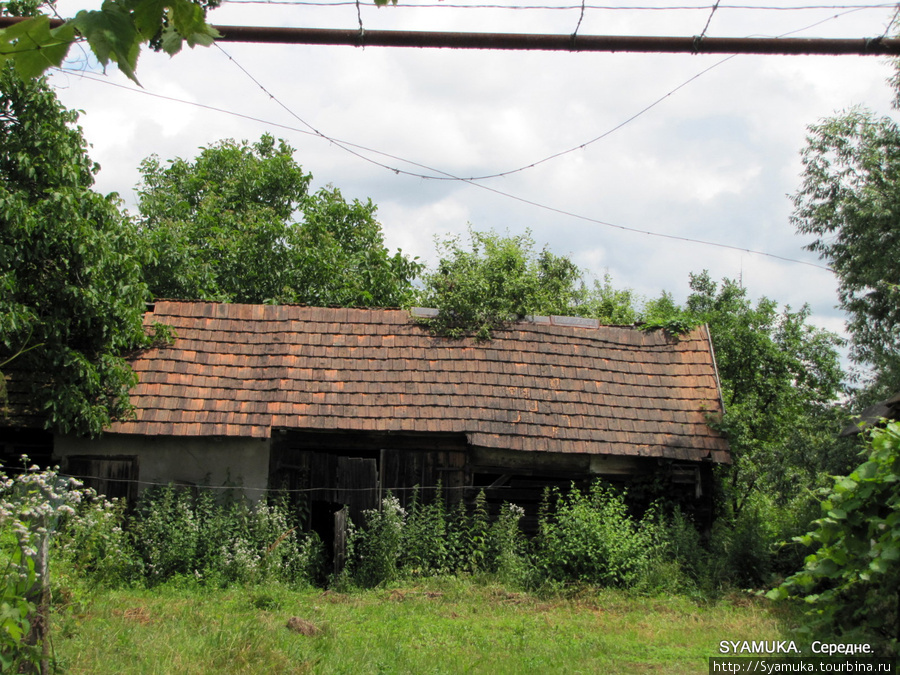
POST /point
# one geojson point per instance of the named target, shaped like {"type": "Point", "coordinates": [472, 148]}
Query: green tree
{"type": "Point", "coordinates": [71, 290]}
{"type": "Point", "coordinates": [851, 583]}
{"type": "Point", "coordinates": [497, 279]}
{"type": "Point", "coordinates": [237, 224]}
{"type": "Point", "coordinates": [850, 202]}
{"type": "Point", "coordinates": [780, 378]}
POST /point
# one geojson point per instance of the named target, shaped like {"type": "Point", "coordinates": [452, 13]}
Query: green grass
{"type": "Point", "coordinates": [440, 626]}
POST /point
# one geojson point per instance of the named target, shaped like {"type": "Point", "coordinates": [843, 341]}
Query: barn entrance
{"type": "Point", "coordinates": [326, 475]}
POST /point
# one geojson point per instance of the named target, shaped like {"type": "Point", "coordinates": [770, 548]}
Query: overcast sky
{"type": "Point", "coordinates": [713, 161]}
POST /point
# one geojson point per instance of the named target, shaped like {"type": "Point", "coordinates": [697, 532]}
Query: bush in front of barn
{"type": "Point", "coordinates": [192, 534]}
{"type": "Point", "coordinates": [591, 537]}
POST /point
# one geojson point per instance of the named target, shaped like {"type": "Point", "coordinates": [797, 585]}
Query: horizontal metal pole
{"type": "Point", "coordinates": [577, 43]}
{"type": "Point", "coordinates": [543, 42]}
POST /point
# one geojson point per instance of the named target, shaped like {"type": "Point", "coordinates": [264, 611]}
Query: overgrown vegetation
{"type": "Point", "coordinates": [588, 537]}
{"type": "Point", "coordinates": [851, 582]}
{"type": "Point", "coordinates": [594, 539]}
{"type": "Point", "coordinates": [201, 538]}
{"type": "Point", "coordinates": [497, 280]}
{"type": "Point", "coordinates": [198, 535]}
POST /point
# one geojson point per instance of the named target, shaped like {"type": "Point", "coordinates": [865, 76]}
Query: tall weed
{"type": "Point", "coordinates": [377, 548]}
{"type": "Point", "coordinates": [508, 547]}
{"type": "Point", "coordinates": [425, 545]}
{"type": "Point", "coordinates": [95, 546]}
{"type": "Point", "coordinates": [590, 538]}
{"type": "Point", "coordinates": [195, 534]}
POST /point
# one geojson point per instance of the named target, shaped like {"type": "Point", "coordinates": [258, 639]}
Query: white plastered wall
{"type": "Point", "coordinates": [239, 462]}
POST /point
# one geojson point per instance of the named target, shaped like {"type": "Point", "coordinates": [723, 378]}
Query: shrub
{"type": "Point", "coordinates": [477, 548]}
{"type": "Point", "coordinates": [591, 538]}
{"type": "Point", "coordinates": [166, 532]}
{"type": "Point", "coordinates": [33, 505]}
{"type": "Point", "coordinates": [424, 547]}
{"type": "Point", "coordinates": [95, 546]}
{"type": "Point", "coordinates": [680, 562]}
{"type": "Point", "coordinates": [374, 551]}
{"type": "Point", "coordinates": [852, 581]}
{"type": "Point", "coordinates": [457, 538]}
{"type": "Point", "coordinates": [508, 548]}
{"type": "Point", "coordinates": [180, 532]}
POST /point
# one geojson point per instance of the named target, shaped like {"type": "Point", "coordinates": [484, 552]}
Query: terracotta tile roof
{"type": "Point", "coordinates": [241, 370]}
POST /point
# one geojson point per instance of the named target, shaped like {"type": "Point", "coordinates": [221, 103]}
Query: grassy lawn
{"type": "Point", "coordinates": [440, 626]}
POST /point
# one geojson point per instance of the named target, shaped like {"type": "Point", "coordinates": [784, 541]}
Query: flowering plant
{"type": "Point", "coordinates": [32, 504]}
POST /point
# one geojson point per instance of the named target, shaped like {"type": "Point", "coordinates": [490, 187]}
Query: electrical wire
{"type": "Point", "coordinates": [447, 176]}
{"type": "Point", "coordinates": [523, 200]}
{"type": "Point", "coordinates": [612, 8]}
{"type": "Point", "coordinates": [414, 488]}
{"type": "Point", "coordinates": [437, 174]}
{"type": "Point", "coordinates": [709, 20]}
{"type": "Point", "coordinates": [501, 174]}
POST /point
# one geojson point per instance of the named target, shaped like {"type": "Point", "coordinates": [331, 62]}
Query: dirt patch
{"type": "Point", "coordinates": [137, 614]}
{"type": "Point", "coordinates": [335, 598]}
{"type": "Point", "coordinates": [302, 626]}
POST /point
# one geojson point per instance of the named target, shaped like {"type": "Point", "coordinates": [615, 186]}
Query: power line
{"type": "Point", "coordinates": [449, 176]}
{"type": "Point", "coordinates": [610, 8]}
{"type": "Point", "coordinates": [709, 20]}
{"type": "Point", "coordinates": [442, 175]}
{"type": "Point", "coordinates": [279, 490]}
{"type": "Point", "coordinates": [532, 165]}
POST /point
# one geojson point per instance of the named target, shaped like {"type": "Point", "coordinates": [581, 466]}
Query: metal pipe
{"type": "Point", "coordinates": [528, 41]}
{"type": "Point", "coordinates": [573, 43]}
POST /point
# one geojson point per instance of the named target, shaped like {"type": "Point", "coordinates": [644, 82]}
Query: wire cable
{"type": "Point", "coordinates": [709, 19]}
{"type": "Point", "coordinates": [437, 174]}
{"type": "Point", "coordinates": [611, 8]}
{"type": "Point", "coordinates": [448, 176]}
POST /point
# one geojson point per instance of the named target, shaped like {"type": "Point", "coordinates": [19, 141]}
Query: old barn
{"type": "Point", "coordinates": [341, 405]}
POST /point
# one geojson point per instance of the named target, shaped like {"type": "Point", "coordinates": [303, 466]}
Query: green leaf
{"type": "Point", "coordinates": [880, 565]}
{"type": "Point", "coordinates": [185, 15]}
{"type": "Point", "coordinates": [111, 34]}
{"type": "Point", "coordinates": [845, 483]}
{"type": "Point", "coordinates": [890, 552]}
{"type": "Point", "coordinates": [148, 17]}
{"type": "Point", "coordinates": [866, 471]}
{"type": "Point", "coordinates": [204, 37]}
{"type": "Point", "coordinates": [171, 41]}
{"type": "Point", "coordinates": [34, 47]}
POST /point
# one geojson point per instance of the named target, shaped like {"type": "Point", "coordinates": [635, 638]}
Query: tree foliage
{"type": "Point", "coordinates": [780, 377]}
{"type": "Point", "coordinates": [238, 224]}
{"type": "Point", "coordinates": [116, 32]}
{"type": "Point", "coordinates": [497, 279]}
{"type": "Point", "coordinates": [71, 290]}
{"type": "Point", "coordinates": [850, 201]}
{"type": "Point", "coordinates": [852, 581]}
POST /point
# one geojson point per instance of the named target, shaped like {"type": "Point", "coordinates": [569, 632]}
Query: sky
{"type": "Point", "coordinates": [633, 154]}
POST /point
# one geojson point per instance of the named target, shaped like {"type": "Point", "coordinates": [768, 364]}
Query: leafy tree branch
{"type": "Point", "coordinates": [115, 33]}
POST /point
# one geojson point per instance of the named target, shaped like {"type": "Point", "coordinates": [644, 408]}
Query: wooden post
{"type": "Point", "coordinates": [340, 540]}
{"type": "Point", "coordinates": [39, 596]}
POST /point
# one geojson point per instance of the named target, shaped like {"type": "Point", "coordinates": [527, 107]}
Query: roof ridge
{"type": "Point", "coordinates": [536, 319]}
